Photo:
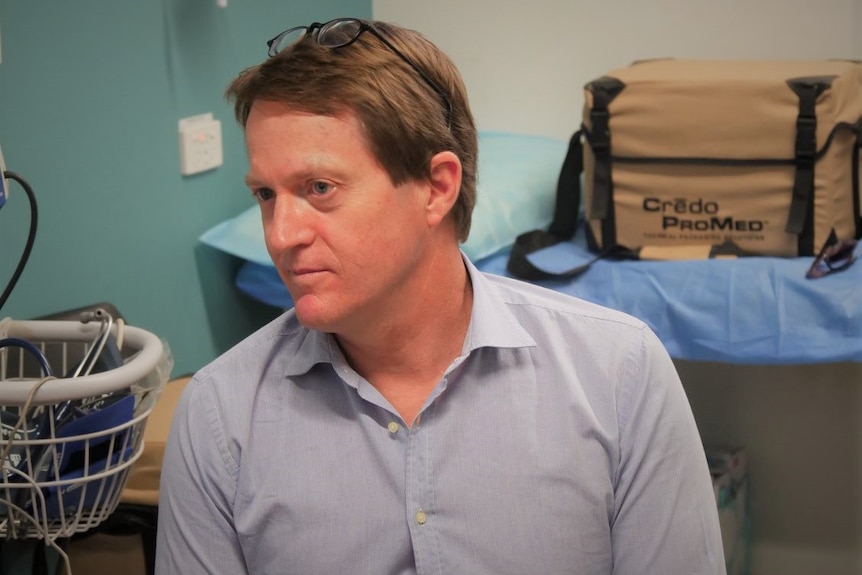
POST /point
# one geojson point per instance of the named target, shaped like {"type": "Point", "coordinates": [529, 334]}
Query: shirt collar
{"type": "Point", "coordinates": [492, 324]}
{"type": "Point", "coordinates": [305, 347]}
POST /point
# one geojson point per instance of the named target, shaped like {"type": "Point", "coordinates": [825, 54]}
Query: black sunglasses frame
{"type": "Point", "coordinates": [362, 27]}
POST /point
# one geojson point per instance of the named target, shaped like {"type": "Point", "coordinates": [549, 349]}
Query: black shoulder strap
{"type": "Point", "coordinates": [563, 226]}
{"type": "Point", "coordinates": [565, 222]}
{"type": "Point", "coordinates": [857, 193]}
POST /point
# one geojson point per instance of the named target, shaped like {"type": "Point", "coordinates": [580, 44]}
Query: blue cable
{"type": "Point", "coordinates": [24, 344]}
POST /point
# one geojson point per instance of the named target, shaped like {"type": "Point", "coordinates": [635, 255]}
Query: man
{"type": "Point", "coordinates": [411, 414]}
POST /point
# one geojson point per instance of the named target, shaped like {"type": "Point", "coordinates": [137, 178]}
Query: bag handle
{"type": "Point", "coordinates": [564, 225]}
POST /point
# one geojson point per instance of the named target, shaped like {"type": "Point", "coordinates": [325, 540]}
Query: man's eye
{"type": "Point", "coordinates": [263, 194]}
{"type": "Point", "coordinates": [320, 188]}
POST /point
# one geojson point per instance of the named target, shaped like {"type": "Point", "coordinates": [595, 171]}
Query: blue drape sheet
{"type": "Point", "coordinates": [746, 311]}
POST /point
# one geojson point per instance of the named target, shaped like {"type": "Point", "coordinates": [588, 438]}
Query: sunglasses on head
{"type": "Point", "coordinates": [343, 32]}
{"type": "Point", "coordinates": [834, 256]}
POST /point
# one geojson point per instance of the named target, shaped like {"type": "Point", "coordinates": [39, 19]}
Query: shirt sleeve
{"type": "Point", "coordinates": [665, 514]}
{"type": "Point", "coordinates": [196, 533]}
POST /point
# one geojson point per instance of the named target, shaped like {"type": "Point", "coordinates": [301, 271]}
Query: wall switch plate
{"type": "Point", "coordinates": [200, 144]}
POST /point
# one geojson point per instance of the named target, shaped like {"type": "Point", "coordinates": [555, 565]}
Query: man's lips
{"type": "Point", "coordinates": [296, 272]}
{"type": "Point", "coordinates": [305, 274]}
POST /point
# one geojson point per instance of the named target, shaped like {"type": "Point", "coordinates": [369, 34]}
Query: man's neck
{"type": "Point", "coordinates": [405, 355]}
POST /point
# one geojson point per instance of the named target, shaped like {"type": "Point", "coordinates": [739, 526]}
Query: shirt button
{"type": "Point", "coordinates": [393, 427]}
{"type": "Point", "coordinates": [421, 517]}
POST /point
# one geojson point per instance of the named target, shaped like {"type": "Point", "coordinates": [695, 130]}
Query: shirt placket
{"type": "Point", "coordinates": [419, 503]}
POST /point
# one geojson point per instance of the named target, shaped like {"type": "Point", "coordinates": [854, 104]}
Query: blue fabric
{"type": "Point", "coordinates": [240, 236]}
{"type": "Point", "coordinates": [746, 311]}
{"type": "Point", "coordinates": [516, 189]}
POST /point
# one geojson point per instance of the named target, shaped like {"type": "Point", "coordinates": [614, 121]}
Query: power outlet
{"type": "Point", "coordinates": [200, 144]}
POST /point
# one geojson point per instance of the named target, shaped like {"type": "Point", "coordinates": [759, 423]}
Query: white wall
{"type": "Point", "coordinates": [525, 64]}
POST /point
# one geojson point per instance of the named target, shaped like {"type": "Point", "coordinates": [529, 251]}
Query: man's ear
{"type": "Point", "coordinates": [445, 180]}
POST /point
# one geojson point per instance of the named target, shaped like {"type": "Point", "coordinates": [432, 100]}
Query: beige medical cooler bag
{"type": "Point", "coordinates": [684, 157]}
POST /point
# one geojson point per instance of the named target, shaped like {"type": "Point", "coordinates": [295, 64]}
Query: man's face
{"type": "Point", "coordinates": [345, 241]}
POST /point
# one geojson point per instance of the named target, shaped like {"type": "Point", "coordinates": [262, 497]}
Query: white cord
{"type": "Point", "coordinates": [22, 416]}
{"type": "Point", "coordinates": [121, 324]}
{"type": "Point", "coordinates": [99, 342]}
{"type": "Point", "coordinates": [43, 530]}
{"type": "Point", "coordinates": [105, 334]}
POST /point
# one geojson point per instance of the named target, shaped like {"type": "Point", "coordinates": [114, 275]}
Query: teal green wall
{"type": "Point", "coordinates": [90, 95]}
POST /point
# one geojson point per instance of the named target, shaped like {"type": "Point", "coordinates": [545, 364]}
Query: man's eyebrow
{"type": "Point", "coordinates": [311, 168]}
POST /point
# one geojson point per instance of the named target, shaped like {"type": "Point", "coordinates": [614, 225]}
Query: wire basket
{"type": "Point", "coordinates": [68, 443]}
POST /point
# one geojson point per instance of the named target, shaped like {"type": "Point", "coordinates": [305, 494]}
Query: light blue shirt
{"type": "Point", "coordinates": [559, 442]}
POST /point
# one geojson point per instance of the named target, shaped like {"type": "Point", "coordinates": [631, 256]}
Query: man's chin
{"type": "Point", "coordinates": [312, 313]}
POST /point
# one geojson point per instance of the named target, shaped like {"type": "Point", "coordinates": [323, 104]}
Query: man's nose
{"type": "Point", "coordinates": [289, 225]}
